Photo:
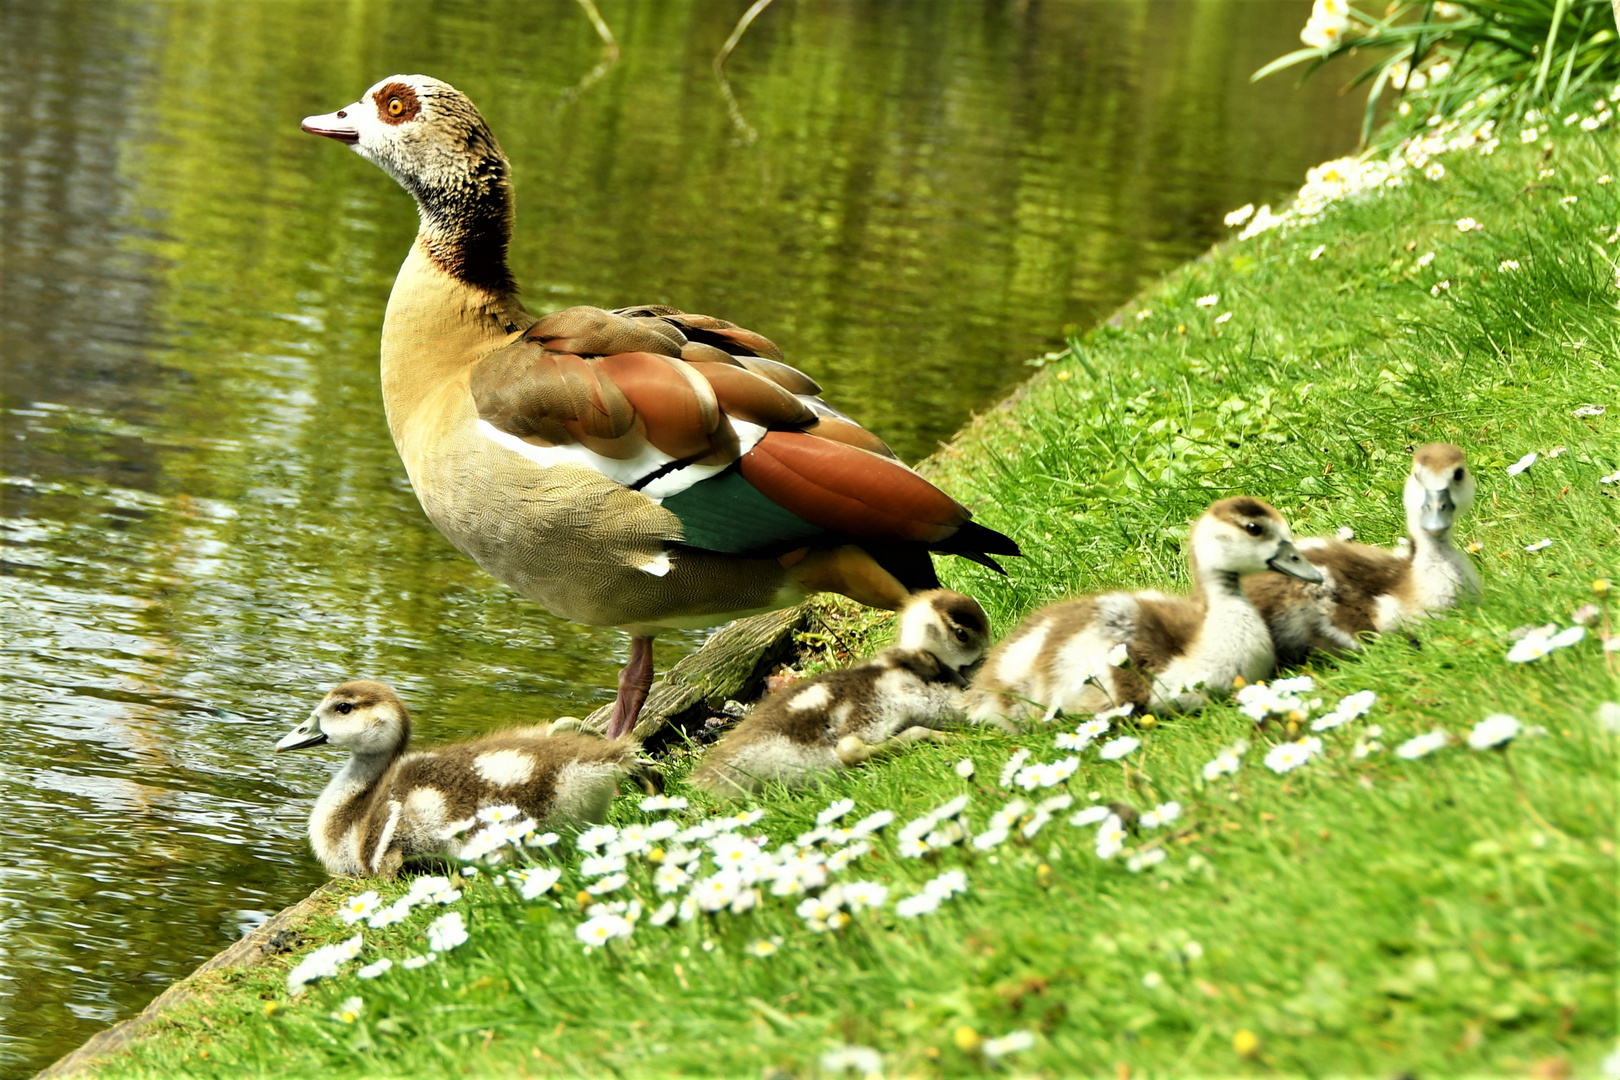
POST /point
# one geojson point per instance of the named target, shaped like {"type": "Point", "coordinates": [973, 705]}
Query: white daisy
{"type": "Point", "coordinates": [446, 932]}
{"type": "Point", "coordinates": [1539, 545]}
{"type": "Point", "coordinates": [411, 963]}
{"type": "Point", "coordinates": [1014, 764]}
{"type": "Point", "coordinates": [1522, 464]}
{"type": "Point", "coordinates": [359, 906]}
{"type": "Point", "coordinates": [1163, 814]}
{"type": "Point", "coordinates": [663, 802]}
{"type": "Point", "coordinates": [376, 968]}
{"type": "Point", "coordinates": [1110, 837]}
{"type": "Point", "coordinates": [1495, 730]}
{"type": "Point", "coordinates": [964, 768]}
{"type": "Point", "coordinates": [1091, 815]}
{"type": "Point", "coordinates": [594, 837]}
{"type": "Point", "coordinates": [534, 881]}
{"type": "Point", "coordinates": [1421, 745]}
{"type": "Point", "coordinates": [611, 883]}
{"type": "Point", "coordinates": [921, 904]}
{"type": "Point", "coordinates": [1114, 749]}
{"type": "Point", "coordinates": [1288, 756]}
{"type": "Point", "coordinates": [1011, 1043]}
{"type": "Point", "coordinates": [835, 811]}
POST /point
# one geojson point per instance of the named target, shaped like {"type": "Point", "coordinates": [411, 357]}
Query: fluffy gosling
{"type": "Point", "coordinates": [385, 806]}
{"type": "Point", "coordinates": [1367, 590]}
{"type": "Point", "coordinates": [1153, 652]}
{"type": "Point", "coordinates": [842, 718]}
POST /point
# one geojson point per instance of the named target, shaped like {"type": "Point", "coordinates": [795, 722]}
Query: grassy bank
{"type": "Point", "coordinates": [1447, 915]}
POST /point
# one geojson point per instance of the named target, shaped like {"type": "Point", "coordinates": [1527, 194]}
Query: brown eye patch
{"type": "Point", "coordinates": [396, 103]}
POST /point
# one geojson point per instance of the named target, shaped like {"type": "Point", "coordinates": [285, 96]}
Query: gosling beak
{"type": "Point", "coordinates": [1438, 511]}
{"type": "Point", "coordinates": [308, 733]}
{"type": "Point", "coordinates": [955, 675]}
{"type": "Point", "coordinates": [333, 125]}
{"type": "Point", "coordinates": [1289, 561]}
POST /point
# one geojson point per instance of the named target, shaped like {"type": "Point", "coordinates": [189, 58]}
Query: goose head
{"type": "Point", "coordinates": [1438, 489]}
{"type": "Point", "coordinates": [431, 138]}
{"type": "Point", "coordinates": [364, 717]}
{"type": "Point", "coordinates": [1243, 535]}
{"type": "Point", "coordinates": [950, 625]}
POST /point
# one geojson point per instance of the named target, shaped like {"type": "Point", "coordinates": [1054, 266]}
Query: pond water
{"type": "Point", "coordinates": [205, 523]}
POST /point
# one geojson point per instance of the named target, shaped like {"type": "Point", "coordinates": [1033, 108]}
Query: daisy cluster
{"type": "Point", "coordinates": [443, 933]}
{"type": "Point", "coordinates": [1287, 700]}
{"type": "Point", "coordinates": [1347, 178]}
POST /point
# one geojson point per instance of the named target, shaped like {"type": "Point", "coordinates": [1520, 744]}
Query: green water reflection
{"type": "Point", "coordinates": [205, 523]}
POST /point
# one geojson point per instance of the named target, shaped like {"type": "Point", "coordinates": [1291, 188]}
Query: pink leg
{"type": "Point", "coordinates": [634, 682]}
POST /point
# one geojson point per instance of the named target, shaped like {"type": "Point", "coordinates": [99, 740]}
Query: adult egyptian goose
{"type": "Point", "coordinates": [1367, 590]}
{"type": "Point", "coordinates": [1154, 652]}
{"type": "Point", "coordinates": [385, 806]}
{"type": "Point", "coordinates": [841, 718]}
{"type": "Point", "coordinates": [642, 468]}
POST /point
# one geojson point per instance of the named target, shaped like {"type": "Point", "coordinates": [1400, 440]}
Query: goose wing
{"type": "Point", "coordinates": [705, 417]}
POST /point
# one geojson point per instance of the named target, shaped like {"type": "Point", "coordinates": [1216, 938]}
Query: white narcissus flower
{"type": "Point", "coordinates": [1493, 731]}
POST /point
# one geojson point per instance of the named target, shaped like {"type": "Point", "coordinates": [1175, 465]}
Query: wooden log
{"type": "Point", "coordinates": [732, 664]}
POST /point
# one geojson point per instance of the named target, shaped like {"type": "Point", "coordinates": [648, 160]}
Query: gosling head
{"type": "Point", "coordinates": [948, 624]}
{"type": "Point", "coordinates": [363, 717]}
{"type": "Point", "coordinates": [1438, 490]}
{"type": "Point", "coordinates": [1243, 535]}
{"type": "Point", "coordinates": [431, 138]}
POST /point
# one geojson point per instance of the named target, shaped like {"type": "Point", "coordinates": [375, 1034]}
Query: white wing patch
{"type": "Point", "coordinates": [657, 566]}
{"type": "Point", "coordinates": [812, 697]}
{"type": "Point", "coordinates": [503, 768]}
{"type": "Point", "coordinates": [631, 470]}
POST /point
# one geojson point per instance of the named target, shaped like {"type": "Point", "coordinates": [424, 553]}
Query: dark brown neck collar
{"type": "Point", "coordinates": [467, 224]}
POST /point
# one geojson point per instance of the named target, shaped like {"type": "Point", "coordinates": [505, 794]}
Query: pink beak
{"type": "Point", "coordinates": [333, 125]}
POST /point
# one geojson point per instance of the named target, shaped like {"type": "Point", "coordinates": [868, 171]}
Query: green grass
{"type": "Point", "coordinates": [1371, 916]}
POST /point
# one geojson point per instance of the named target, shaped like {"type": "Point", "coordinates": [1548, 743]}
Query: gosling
{"type": "Point", "coordinates": [1367, 590]}
{"type": "Point", "coordinates": [842, 718]}
{"type": "Point", "coordinates": [385, 806]}
{"type": "Point", "coordinates": [1152, 652]}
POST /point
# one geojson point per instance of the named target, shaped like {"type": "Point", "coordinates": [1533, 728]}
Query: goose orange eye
{"type": "Point", "coordinates": [1252, 529]}
{"type": "Point", "coordinates": [395, 106]}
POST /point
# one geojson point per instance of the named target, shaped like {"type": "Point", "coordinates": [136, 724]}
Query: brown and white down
{"type": "Point", "coordinates": [845, 717]}
{"type": "Point", "coordinates": [385, 805]}
{"type": "Point", "coordinates": [1154, 652]}
{"type": "Point", "coordinates": [1367, 590]}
